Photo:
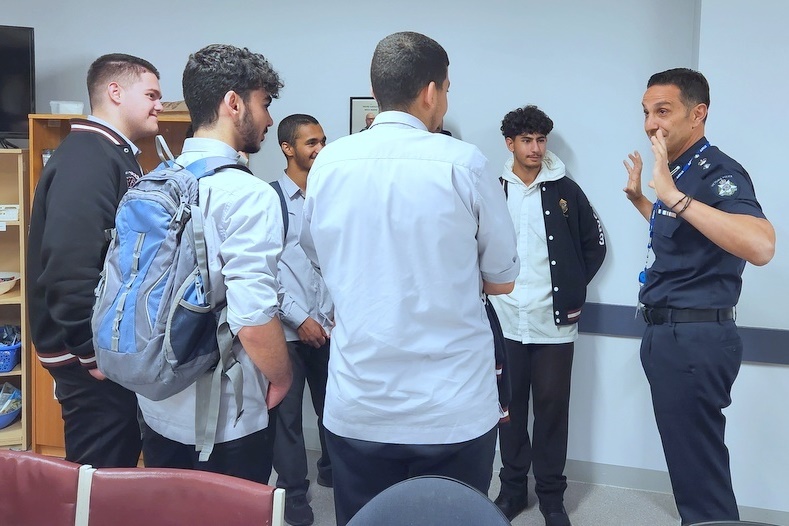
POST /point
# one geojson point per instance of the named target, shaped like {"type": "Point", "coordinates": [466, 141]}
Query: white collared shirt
{"type": "Point", "coordinates": [405, 224]}
{"type": "Point", "coordinates": [303, 292]}
{"type": "Point", "coordinates": [243, 231]}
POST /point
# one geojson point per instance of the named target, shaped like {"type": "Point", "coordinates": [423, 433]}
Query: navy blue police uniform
{"type": "Point", "coordinates": [691, 351]}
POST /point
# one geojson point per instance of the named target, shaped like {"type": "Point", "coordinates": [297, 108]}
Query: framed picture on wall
{"type": "Point", "coordinates": [363, 111]}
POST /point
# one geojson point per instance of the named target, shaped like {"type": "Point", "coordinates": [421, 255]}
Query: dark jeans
{"type": "Point", "coordinates": [364, 469]}
{"type": "Point", "coordinates": [543, 371]}
{"type": "Point", "coordinates": [691, 368]}
{"type": "Point", "coordinates": [290, 457]}
{"type": "Point", "coordinates": [99, 419]}
{"type": "Point", "coordinates": [247, 457]}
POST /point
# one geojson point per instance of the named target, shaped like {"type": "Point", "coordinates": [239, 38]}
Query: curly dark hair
{"type": "Point", "coordinates": [219, 68]}
{"type": "Point", "coordinates": [529, 119]}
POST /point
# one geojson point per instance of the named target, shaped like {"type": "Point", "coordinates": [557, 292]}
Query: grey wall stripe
{"type": "Point", "coordinates": [760, 345]}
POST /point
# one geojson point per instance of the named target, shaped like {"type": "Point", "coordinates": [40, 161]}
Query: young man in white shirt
{"type": "Point", "coordinates": [561, 247]}
{"type": "Point", "coordinates": [307, 315]}
{"type": "Point", "coordinates": [228, 91]}
{"type": "Point", "coordinates": [409, 228]}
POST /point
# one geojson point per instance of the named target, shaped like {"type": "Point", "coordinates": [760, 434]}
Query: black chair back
{"type": "Point", "coordinates": [430, 501]}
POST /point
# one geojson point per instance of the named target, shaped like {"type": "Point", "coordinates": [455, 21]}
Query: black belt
{"type": "Point", "coordinates": [659, 316]}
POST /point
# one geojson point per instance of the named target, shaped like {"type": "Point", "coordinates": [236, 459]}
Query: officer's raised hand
{"type": "Point", "coordinates": [662, 181]}
{"type": "Point", "coordinates": [633, 188]}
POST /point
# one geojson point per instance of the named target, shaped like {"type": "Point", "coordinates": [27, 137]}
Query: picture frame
{"type": "Point", "coordinates": [360, 108]}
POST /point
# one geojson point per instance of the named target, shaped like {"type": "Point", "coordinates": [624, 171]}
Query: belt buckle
{"type": "Point", "coordinates": [653, 316]}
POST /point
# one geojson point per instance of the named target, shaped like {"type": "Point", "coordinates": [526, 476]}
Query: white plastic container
{"type": "Point", "coordinates": [9, 212]}
{"type": "Point", "coordinates": [66, 107]}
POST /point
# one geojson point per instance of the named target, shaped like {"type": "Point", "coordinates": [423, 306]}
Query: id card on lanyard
{"type": "Point", "coordinates": [659, 208]}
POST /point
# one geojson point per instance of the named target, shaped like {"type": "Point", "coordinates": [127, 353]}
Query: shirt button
{"type": "Point", "coordinates": [558, 320]}
{"type": "Point", "coordinates": [553, 262]}
{"type": "Point", "coordinates": [556, 289]}
{"type": "Point", "coordinates": [557, 312]}
{"type": "Point", "coordinates": [547, 212]}
{"type": "Point", "coordinates": [550, 238]}
{"type": "Point", "coordinates": [125, 150]}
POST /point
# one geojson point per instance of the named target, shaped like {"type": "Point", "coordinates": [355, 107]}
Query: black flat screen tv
{"type": "Point", "coordinates": [17, 81]}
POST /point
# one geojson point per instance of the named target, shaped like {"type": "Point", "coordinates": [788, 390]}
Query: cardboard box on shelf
{"type": "Point", "coordinates": [176, 107]}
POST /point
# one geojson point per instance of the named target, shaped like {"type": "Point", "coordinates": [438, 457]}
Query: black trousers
{"type": "Point", "coordinates": [364, 469]}
{"type": "Point", "coordinates": [542, 371]}
{"type": "Point", "coordinates": [290, 458]}
{"type": "Point", "coordinates": [99, 417]}
{"type": "Point", "coordinates": [691, 368]}
{"type": "Point", "coordinates": [247, 457]}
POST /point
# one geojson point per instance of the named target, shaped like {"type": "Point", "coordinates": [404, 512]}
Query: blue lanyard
{"type": "Point", "coordinates": [657, 208]}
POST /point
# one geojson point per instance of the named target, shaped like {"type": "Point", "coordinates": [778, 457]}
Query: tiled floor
{"type": "Point", "coordinates": [587, 504]}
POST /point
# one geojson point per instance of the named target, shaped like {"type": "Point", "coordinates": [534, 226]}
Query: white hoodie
{"type": "Point", "coordinates": [526, 314]}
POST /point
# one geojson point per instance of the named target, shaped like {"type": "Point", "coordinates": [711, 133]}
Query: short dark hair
{"type": "Point", "coordinates": [117, 67]}
{"type": "Point", "coordinates": [404, 63]}
{"type": "Point", "coordinates": [289, 126]}
{"type": "Point", "coordinates": [529, 119]}
{"type": "Point", "coordinates": [216, 69]}
{"type": "Point", "coordinates": [693, 87]}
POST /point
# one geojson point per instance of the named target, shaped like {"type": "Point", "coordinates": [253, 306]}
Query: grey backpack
{"type": "Point", "coordinates": [156, 327]}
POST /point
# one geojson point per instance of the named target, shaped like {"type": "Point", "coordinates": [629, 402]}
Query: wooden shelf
{"type": "Point", "coordinates": [13, 243]}
{"type": "Point", "coordinates": [46, 132]}
{"type": "Point", "coordinates": [13, 435]}
{"type": "Point", "coordinates": [13, 296]}
{"type": "Point", "coordinates": [16, 371]}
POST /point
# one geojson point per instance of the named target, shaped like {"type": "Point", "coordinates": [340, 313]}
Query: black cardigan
{"type": "Point", "coordinates": [75, 202]}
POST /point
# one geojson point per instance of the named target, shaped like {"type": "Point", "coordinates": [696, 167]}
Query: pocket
{"type": "Point", "coordinates": [666, 226]}
{"type": "Point", "coordinates": [192, 333]}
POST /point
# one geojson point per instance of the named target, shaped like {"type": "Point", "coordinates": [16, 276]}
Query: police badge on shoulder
{"type": "Point", "coordinates": [724, 186]}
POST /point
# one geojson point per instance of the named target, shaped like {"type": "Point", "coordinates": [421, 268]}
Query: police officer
{"type": "Point", "coordinates": [704, 226]}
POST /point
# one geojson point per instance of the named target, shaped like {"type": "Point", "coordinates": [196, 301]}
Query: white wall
{"type": "Point", "coordinates": [585, 63]}
{"type": "Point", "coordinates": [743, 50]}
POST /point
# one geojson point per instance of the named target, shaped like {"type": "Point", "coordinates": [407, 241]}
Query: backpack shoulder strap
{"type": "Point", "coordinates": [283, 203]}
{"type": "Point", "coordinates": [211, 165]}
{"type": "Point", "coordinates": [505, 184]}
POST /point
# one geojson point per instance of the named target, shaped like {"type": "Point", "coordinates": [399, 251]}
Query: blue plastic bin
{"type": "Point", "coordinates": [9, 356]}
{"type": "Point", "coordinates": [7, 418]}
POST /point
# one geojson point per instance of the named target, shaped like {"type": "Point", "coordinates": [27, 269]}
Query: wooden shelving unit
{"type": "Point", "coordinates": [13, 237]}
{"type": "Point", "coordinates": [46, 132]}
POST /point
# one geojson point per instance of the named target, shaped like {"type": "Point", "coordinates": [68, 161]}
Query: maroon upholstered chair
{"type": "Point", "coordinates": [161, 497]}
{"type": "Point", "coordinates": [35, 489]}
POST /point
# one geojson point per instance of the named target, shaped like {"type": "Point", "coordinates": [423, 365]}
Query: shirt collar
{"type": "Point", "coordinates": [290, 188]}
{"type": "Point", "coordinates": [213, 147]}
{"type": "Point", "coordinates": [135, 150]}
{"type": "Point", "coordinates": [683, 159]}
{"type": "Point", "coordinates": [398, 117]}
